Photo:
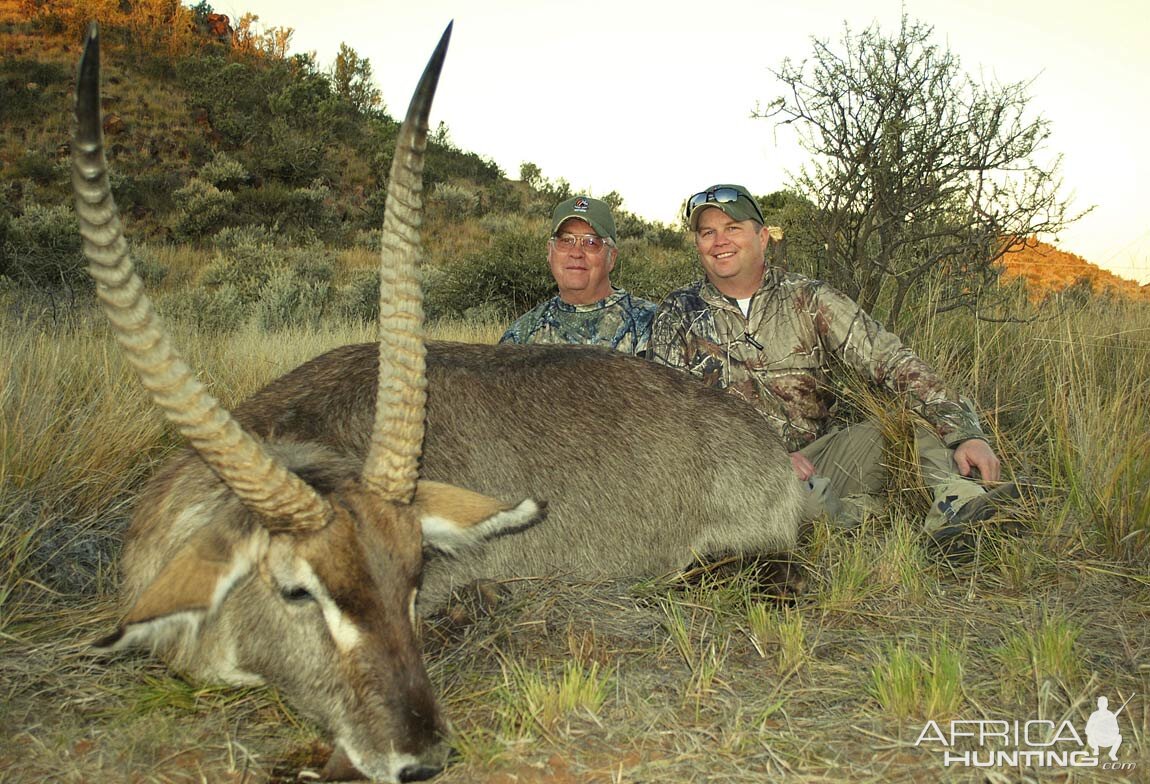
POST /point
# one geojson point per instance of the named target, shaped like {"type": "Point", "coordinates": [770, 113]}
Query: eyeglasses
{"type": "Point", "coordinates": [592, 243]}
{"type": "Point", "coordinates": [721, 196]}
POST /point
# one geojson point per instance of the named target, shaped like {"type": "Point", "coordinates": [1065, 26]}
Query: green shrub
{"type": "Point", "coordinates": [375, 205]}
{"type": "Point", "coordinates": [504, 223]}
{"type": "Point", "coordinates": [803, 249]}
{"type": "Point", "coordinates": [368, 239]}
{"type": "Point", "coordinates": [295, 296]}
{"type": "Point", "coordinates": [502, 196]}
{"type": "Point", "coordinates": [278, 110]}
{"type": "Point", "coordinates": [224, 172]}
{"type": "Point", "coordinates": [510, 276]}
{"type": "Point", "coordinates": [39, 167]}
{"type": "Point", "coordinates": [631, 226]}
{"type": "Point", "coordinates": [358, 300]}
{"type": "Point", "coordinates": [153, 191]}
{"type": "Point", "coordinates": [244, 261]}
{"type": "Point", "coordinates": [305, 90]}
{"type": "Point", "coordinates": [216, 310]}
{"type": "Point", "coordinates": [653, 276]}
{"type": "Point", "coordinates": [293, 155]}
{"type": "Point", "coordinates": [22, 84]}
{"type": "Point", "coordinates": [301, 215]}
{"type": "Point", "coordinates": [235, 94]}
{"type": "Point", "coordinates": [227, 272]}
{"type": "Point", "coordinates": [446, 162]}
{"type": "Point", "coordinates": [147, 267]}
{"type": "Point", "coordinates": [454, 201]}
{"type": "Point", "coordinates": [278, 285]}
{"type": "Point", "coordinates": [42, 248]}
{"type": "Point", "coordinates": [231, 238]}
{"type": "Point", "coordinates": [202, 209]}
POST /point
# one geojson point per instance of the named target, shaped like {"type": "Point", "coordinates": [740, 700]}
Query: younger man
{"type": "Point", "coordinates": [775, 339]}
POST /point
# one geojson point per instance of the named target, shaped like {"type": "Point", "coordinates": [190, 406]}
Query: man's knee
{"type": "Point", "coordinates": [863, 459]}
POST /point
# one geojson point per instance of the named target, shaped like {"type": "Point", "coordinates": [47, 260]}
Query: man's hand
{"type": "Point", "coordinates": [975, 453]}
{"type": "Point", "coordinates": [804, 467]}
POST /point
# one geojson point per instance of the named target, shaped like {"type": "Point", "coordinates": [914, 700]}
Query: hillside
{"type": "Point", "coordinates": [188, 117]}
{"type": "Point", "coordinates": [212, 140]}
{"type": "Point", "coordinates": [1046, 270]}
{"type": "Point", "coordinates": [259, 157]}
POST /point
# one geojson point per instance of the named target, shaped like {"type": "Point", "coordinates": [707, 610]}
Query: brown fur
{"type": "Point", "coordinates": [643, 467]}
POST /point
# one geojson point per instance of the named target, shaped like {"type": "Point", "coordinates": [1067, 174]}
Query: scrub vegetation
{"type": "Point", "coordinates": [713, 675]}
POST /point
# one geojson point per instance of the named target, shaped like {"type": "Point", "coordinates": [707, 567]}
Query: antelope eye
{"type": "Point", "coordinates": [296, 594]}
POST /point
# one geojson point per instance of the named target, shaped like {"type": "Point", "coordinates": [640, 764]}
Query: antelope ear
{"type": "Point", "coordinates": [189, 587]}
{"type": "Point", "coordinates": [453, 518]}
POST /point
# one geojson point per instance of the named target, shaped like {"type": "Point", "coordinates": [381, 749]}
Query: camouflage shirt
{"type": "Point", "coordinates": [620, 321]}
{"type": "Point", "coordinates": [779, 357]}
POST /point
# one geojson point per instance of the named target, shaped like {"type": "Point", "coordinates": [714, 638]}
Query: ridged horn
{"type": "Point", "coordinates": [392, 464]}
{"type": "Point", "coordinates": [263, 484]}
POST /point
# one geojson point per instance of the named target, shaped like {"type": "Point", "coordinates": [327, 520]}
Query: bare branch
{"type": "Point", "coordinates": [916, 166]}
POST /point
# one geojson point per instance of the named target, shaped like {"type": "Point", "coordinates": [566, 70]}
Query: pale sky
{"type": "Point", "coordinates": [652, 98]}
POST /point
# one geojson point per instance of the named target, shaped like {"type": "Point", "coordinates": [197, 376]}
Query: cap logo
{"type": "Point", "coordinates": [581, 205]}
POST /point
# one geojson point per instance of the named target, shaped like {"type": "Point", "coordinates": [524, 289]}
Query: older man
{"type": "Point", "coordinates": [581, 253]}
{"type": "Point", "coordinates": [775, 339]}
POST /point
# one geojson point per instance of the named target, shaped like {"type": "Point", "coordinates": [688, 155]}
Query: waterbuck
{"type": "Point", "coordinates": [288, 544]}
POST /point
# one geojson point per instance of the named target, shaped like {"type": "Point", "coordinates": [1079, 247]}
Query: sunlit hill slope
{"type": "Point", "coordinates": [1047, 269]}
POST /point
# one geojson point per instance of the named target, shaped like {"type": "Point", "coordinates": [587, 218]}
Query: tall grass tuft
{"type": "Point", "coordinates": [782, 630]}
{"type": "Point", "coordinates": [1123, 500]}
{"type": "Point", "coordinates": [74, 423]}
{"type": "Point", "coordinates": [678, 630]}
{"type": "Point", "coordinates": [845, 579]}
{"type": "Point", "coordinates": [907, 684]}
{"type": "Point", "coordinates": [896, 681]}
{"type": "Point", "coordinates": [703, 647]}
{"type": "Point", "coordinates": [1044, 650]}
{"type": "Point", "coordinates": [1061, 396]}
{"type": "Point", "coordinates": [543, 700]}
{"type": "Point", "coordinates": [486, 331]}
{"type": "Point", "coordinates": [942, 692]}
{"type": "Point", "coordinates": [901, 561]}
{"type": "Point", "coordinates": [1094, 383]}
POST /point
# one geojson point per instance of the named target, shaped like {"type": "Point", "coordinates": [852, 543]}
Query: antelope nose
{"type": "Point", "coordinates": [419, 772]}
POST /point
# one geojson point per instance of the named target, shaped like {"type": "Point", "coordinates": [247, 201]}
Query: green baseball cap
{"type": "Point", "coordinates": [595, 212]}
{"type": "Point", "coordinates": [735, 200]}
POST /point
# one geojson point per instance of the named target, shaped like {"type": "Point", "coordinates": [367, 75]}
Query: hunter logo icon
{"type": "Point", "coordinates": [992, 741]}
{"type": "Point", "coordinates": [1102, 729]}
{"type": "Point", "coordinates": [581, 205]}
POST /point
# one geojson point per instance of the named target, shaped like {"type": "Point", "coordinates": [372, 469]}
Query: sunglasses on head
{"type": "Point", "coordinates": [722, 195]}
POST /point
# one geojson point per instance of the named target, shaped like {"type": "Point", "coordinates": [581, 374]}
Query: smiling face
{"type": "Point", "coordinates": [731, 252]}
{"type": "Point", "coordinates": [583, 276]}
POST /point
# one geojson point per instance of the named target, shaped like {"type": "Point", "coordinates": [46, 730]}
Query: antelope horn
{"type": "Point", "coordinates": [392, 464]}
{"type": "Point", "coordinates": [262, 483]}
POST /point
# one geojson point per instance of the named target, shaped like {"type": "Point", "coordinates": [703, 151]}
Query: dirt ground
{"type": "Point", "coordinates": [69, 716]}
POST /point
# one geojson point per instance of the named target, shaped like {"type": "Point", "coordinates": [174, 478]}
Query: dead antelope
{"type": "Point", "coordinates": [288, 544]}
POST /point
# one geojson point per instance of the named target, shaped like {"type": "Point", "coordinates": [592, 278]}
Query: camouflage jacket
{"type": "Point", "coordinates": [620, 321]}
{"type": "Point", "coordinates": [780, 357]}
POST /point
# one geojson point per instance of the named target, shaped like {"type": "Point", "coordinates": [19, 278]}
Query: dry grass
{"type": "Point", "coordinates": [906, 683]}
{"type": "Point", "coordinates": [75, 421]}
{"type": "Point", "coordinates": [467, 331]}
{"type": "Point", "coordinates": [665, 680]}
{"type": "Point", "coordinates": [781, 629]}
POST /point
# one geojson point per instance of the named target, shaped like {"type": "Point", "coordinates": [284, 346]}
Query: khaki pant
{"type": "Point", "coordinates": [851, 475]}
